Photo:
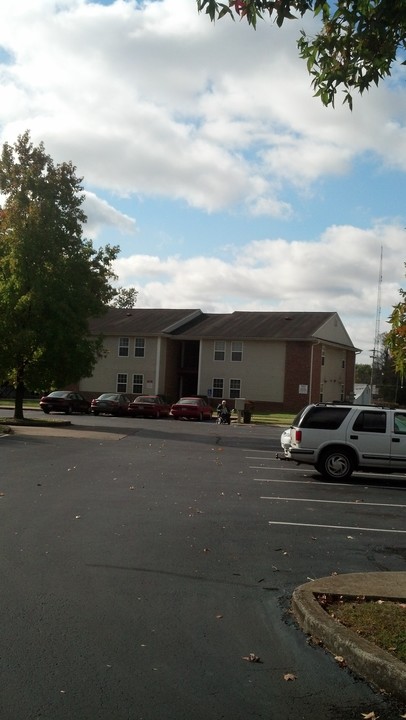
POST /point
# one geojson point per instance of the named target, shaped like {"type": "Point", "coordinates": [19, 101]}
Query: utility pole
{"type": "Point", "coordinates": [377, 336]}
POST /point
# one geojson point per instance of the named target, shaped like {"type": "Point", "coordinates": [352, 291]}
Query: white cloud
{"type": "Point", "coordinates": [101, 214]}
{"type": "Point", "coordinates": [338, 272]}
{"type": "Point", "coordinates": [179, 106]}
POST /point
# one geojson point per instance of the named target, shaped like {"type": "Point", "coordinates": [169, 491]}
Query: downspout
{"type": "Point", "coordinates": [199, 368]}
{"type": "Point", "coordinates": [157, 366]}
{"type": "Point", "coordinates": [311, 371]}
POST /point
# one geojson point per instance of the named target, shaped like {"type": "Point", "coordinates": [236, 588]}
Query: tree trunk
{"type": "Point", "coordinates": [18, 406]}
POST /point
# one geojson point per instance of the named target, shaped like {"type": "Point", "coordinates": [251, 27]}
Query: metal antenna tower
{"type": "Point", "coordinates": [377, 336]}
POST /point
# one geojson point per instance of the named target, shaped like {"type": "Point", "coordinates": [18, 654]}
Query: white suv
{"type": "Point", "coordinates": [338, 439]}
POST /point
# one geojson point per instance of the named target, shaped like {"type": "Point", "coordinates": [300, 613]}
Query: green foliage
{"type": "Point", "coordinates": [395, 339]}
{"type": "Point", "coordinates": [356, 46]}
{"type": "Point", "coordinates": [124, 298]}
{"type": "Point", "coordinates": [363, 373]}
{"type": "Point", "coordinates": [52, 281]}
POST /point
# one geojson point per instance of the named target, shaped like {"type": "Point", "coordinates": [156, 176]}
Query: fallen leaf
{"type": "Point", "coordinates": [370, 716]}
{"type": "Point", "coordinates": [289, 676]}
{"type": "Point", "coordinates": [252, 658]}
{"type": "Point", "coordinates": [219, 617]}
{"type": "Point", "coordinates": [340, 660]}
{"type": "Point", "coordinates": [206, 549]}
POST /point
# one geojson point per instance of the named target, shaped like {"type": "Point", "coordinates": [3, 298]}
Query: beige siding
{"type": "Point", "coordinates": [334, 331]}
{"type": "Point", "coordinates": [104, 378]}
{"type": "Point", "coordinates": [333, 373]}
{"type": "Point", "coordinates": [261, 371]}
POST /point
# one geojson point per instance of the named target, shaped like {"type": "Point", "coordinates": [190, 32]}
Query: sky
{"type": "Point", "coordinates": [206, 158]}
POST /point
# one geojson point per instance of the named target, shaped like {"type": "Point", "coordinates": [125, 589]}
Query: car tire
{"type": "Point", "coordinates": [68, 410]}
{"type": "Point", "coordinates": [157, 414]}
{"type": "Point", "coordinates": [95, 412]}
{"type": "Point", "coordinates": [336, 464]}
{"type": "Point", "coordinates": [46, 410]}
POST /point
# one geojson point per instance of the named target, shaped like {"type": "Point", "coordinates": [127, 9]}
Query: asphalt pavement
{"type": "Point", "coordinates": [376, 666]}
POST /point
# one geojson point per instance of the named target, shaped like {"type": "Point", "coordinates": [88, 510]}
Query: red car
{"type": "Point", "coordinates": [64, 401]}
{"type": "Point", "coordinates": [192, 408]}
{"type": "Point", "coordinates": [149, 406]}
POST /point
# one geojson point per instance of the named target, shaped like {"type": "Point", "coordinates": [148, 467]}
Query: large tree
{"type": "Point", "coordinates": [52, 280]}
{"type": "Point", "coordinates": [395, 339]}
{"type": "Point", "coordinates": [355, 47]}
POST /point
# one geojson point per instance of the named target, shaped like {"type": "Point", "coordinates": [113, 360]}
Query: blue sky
{"type": "Point", "coordinates": [207, 159]}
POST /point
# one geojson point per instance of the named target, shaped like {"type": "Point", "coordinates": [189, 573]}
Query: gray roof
{"type": "Point", "coordinates": [139, 320]}
{"type": "Point", "coordinates": [256, 325]}
{"type": "Point", "coordinates": [193, 324]}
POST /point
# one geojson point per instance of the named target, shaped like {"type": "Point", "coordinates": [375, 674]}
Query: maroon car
{"type": "Point", "coordinates": [192, 408]}
{"type": "Point", "coordinates": [64, 401]}
{"type": "Point", "coordinates": [149, 406]}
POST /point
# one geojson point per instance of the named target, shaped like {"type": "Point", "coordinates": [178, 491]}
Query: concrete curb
{"type": "Point", "coordinates": [372, 663]}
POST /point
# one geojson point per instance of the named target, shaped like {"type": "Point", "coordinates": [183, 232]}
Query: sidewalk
{"type": "Point", "coordinates": [376, 666]}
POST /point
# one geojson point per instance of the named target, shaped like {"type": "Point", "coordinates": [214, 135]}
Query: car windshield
{"type": "Point", "coordinates": [58, 393]}
{"type": "Point", "coordinates": [108, 396]}
{"type": "Point", "coordinates": [145, 399]}
{"type": "Point", "coordinates": [188, 401]}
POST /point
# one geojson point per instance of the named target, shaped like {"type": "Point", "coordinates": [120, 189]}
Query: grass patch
{"type": "Point", "coordinates": [272, 418]}
{"type": "Point", "coordinates": [381, 622]}
{"type": "Point", "coordinates": [7, 422]}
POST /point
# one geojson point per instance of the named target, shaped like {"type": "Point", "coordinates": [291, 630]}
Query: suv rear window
{"type": "Point", "coordinates": [324, 418]}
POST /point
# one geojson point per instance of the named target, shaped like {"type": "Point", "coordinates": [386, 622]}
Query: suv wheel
{"type": "Point", "coordinates": [335, 464]}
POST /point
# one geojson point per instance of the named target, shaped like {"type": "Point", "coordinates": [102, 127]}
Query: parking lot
{"type": "Point", "coordinates": [141, 552]}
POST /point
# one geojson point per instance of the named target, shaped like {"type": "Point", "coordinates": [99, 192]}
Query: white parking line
{"type": "Point", "coordinates": [337, 527]}
{"type": "Point", "coordinates": [333, 502]}
{"type": "Point", "coordinates": [320, 482]}
{"type": "Point", "coordinates": [263, 467]}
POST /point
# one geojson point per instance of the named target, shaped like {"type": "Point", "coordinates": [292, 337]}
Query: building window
{"type": "Point", "coordinates": [138, 382]}
{"type": "Point", "coordinates": [139, 347]}
{"type": "Point", "coordinates": [218, 387]}
{"type": "Point", "coordinates": [323, 357]}
{"type": "Point", "coordinates": [236, 351]}
{"type": "Point", "coordinates": [235, 388]}
{"type": "Point", "coordinates": [219, 350]}
{"type": "Point", "coordinates": [122, 382]}
{"type": "Point", "coordinates": [123, 346]}
{"type": "Point", "coordinates": [343, 363]}
{"type": "Point", "coordinates": [321, 392]}
{"type": "Point", "coordinates": [342, 393]}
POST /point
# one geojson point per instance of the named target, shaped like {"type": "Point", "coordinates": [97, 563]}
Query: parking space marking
{"type": "Point", "coordinates": [262, 467]}
{"type": "Point", "coordinates": [336, 527]}
{"type": "Point", "coordinates": [333, 502]}
{"type": "Point", "coordinates": [304, 481]}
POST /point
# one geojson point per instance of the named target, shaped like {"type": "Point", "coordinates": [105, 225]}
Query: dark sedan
{"type": "Point", "coordinates": [192, 408]}
{"type": "Point", "coordinates": [110, 404]}
{"type": "Point", "coordinates": [149, 406]}
{"type": "Point", "coordinates": [64, 401]}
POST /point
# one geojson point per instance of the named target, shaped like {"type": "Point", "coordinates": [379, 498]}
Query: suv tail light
{"type": "Point", "coordinates": [298, 436]}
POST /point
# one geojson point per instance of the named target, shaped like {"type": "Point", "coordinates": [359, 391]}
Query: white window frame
{"type": "Point", "coordinates": [139, 345]}
{"type": "Point", "coordinates": [234, 392]}
{"type": "Point", "coordinates": [121, 385]}
{"type": "Point", "coordinates": [219, 350]}
{"type": "Point", "coordinates": [216, 388]}
{"type": "Point", "coordinates": [235, 351]}
{"type": "Point", "coordinates": [123, 345]}
{"type": "Point", "coordinates": [138, 387]}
